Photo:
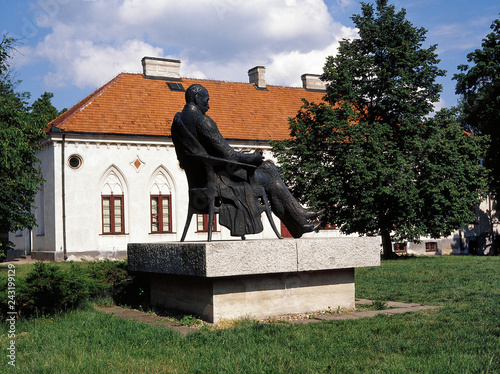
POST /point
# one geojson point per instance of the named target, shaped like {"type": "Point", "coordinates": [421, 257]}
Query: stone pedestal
{"type": "Point", "coordinates": [254, 278]}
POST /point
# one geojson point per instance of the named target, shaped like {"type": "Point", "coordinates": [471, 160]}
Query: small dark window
{"type": "Point", "coordinates": [431, 247]}
{"type": "Point", "coordinates": [327, 225]}
{"type": "Point", "coordinates": [75, 162]}
{"type": "Point", "coordinates": [400, 247]}
{"type": "Point", "coordinates": [202, 223]}
{"type": "Point", "coordinates": [175, 86]}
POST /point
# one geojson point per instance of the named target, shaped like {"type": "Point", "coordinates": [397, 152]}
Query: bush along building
{"type": "Point", "coordinates": [112, 175]}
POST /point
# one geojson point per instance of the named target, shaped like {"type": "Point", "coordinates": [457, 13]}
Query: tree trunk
{"type": "Point", "coordinates": [386, 244]}
{"type": "Point", "coordinates": [4, 238]}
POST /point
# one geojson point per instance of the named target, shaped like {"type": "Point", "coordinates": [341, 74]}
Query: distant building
{"type": "Point", "coordinates": [480, 237]}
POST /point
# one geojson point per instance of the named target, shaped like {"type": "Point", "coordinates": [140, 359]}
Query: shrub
{"type": "Point", "coordinates": [112, 273]}
{"type": "Point", "coordinates": [124, 288]}
{"type": "Point", "coordinates": [47, 289]}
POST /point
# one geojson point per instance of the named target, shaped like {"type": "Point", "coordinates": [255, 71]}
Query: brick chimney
{"type": "Point", "coordinates": [162, 68]}
{"type": "Point", "coordinates": [312, 82]}
{"type": "Point", "coordinates": [256, 76]}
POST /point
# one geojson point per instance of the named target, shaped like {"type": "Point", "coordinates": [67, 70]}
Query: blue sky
{"type": "Point", "coordinates": [72, 47]}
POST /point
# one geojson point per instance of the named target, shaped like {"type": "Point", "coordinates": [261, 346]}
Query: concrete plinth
{"type": "Point", "coordinates": [255, 278]}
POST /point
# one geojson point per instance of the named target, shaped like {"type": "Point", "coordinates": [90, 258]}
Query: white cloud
{"type": "Point", "coordinates": [84, 63]}
{"type": "Point", "coordinates": [89, 42]}
{"type": "Point", "coordinates": [346, 3]}
{"type": "Point", "coordinates": [439, 105]}
{"type": "Point", "coordinates": [463, 36]}
{"type": "Point", "coordinates": [286, 68]}
{"type": "Point", "coordinates": [279, 71]}
{"type": "Point", "coordinates": [99, 63]}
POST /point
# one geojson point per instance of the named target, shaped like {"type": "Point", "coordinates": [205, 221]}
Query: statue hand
{"type": "Point", "coordinates": [255, 158]}
{"type": "Point", "coordinates": [258, 157]}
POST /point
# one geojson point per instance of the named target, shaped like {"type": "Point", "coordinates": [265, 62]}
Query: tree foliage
{"type": "Point", "coordinates": [385, 73]}
{"type": "Point", "coordinates": [479, 85]}
{"type": "Point", "coordinates": [21, 130]}
{"type": "Point", "coordinates": [370, 156]}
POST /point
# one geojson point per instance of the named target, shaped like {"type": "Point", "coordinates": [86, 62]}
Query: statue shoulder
{"type": "Point", "coordinates": [205, 123]}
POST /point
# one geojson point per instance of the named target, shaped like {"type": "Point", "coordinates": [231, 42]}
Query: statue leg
{"type": "Point", "coordinates": [296, 218]}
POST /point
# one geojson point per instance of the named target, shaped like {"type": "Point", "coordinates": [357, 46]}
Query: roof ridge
{"type": "Point", "coordinates": [236, 82]}
{"type": "Point", "coordinates": [82, 104]}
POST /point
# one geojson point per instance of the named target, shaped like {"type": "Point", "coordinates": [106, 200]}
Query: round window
{"type": "Point", "coordinates": [74, 161]}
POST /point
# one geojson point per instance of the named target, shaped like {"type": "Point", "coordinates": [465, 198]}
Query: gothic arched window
{"type": "Point", "coordinates": [113, 217]}
{"type": "Point", "coordinates": [161, 204]}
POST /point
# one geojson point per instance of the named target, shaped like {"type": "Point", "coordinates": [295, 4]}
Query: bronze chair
{"type": "Point", "coordinates": [207, 177]}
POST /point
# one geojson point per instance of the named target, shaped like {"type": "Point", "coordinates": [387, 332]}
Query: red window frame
{"type": "Point", "coordinates": [157, 219]}
{"type": "Point", "coordinates": [203, 219]}
{"type": "Point", "coordinates": [400, 247]}
{"type": "Point", "coordinates": [328, 226]}
{"type": "Point", "coordinates": [431, 247]}
{"type": "Point", "coordinates": [112, 215]}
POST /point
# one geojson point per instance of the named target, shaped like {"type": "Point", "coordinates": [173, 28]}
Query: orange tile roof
{"type": "Point", "coordinates": [133, 105]}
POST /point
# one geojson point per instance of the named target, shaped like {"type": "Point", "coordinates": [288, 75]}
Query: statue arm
{"type": "Point", "coordinates": [217, 146]}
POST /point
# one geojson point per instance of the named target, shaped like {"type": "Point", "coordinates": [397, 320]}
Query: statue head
{"type": "Point", "coordinates": [198, 95]}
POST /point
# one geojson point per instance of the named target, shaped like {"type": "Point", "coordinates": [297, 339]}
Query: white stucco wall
{"type": "Point", "coordinates": [47, 202]}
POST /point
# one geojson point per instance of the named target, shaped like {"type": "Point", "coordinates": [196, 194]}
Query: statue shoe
{"type": "Point", "coordinates": [314, 214]}
{"type": "Point", "coordinates": [311, 227]}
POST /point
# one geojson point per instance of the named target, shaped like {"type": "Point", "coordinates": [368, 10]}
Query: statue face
{"type": "Point", "coordinates": [202, 101]}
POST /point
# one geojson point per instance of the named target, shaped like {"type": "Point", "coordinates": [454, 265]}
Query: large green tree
{"type": "Point", "coordinates": [479, 85]}
{"type": "Point", "coordinates": [21, 130]}
{"type": "Point", "coordinates": [370, 156]}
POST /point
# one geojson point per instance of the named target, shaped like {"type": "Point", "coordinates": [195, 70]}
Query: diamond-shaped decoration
{"type": "Point", "coordinates": [137, 163]}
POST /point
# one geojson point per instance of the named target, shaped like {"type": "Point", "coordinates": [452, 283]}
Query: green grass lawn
{"type": "Point", "coordinates": [462, 337]}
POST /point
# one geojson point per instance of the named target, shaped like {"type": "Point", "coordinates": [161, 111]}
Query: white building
{"type": "Point", "coordinates": [112, 175]}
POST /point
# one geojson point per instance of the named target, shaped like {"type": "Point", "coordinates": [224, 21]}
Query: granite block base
{"type": "Point", "coordinates": [253, 279]}
{"type": "Point", "coordinates": [254, 296]}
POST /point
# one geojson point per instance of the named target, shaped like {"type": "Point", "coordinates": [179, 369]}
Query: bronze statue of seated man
{"type": "Point", "coordinates": [199, 131]}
